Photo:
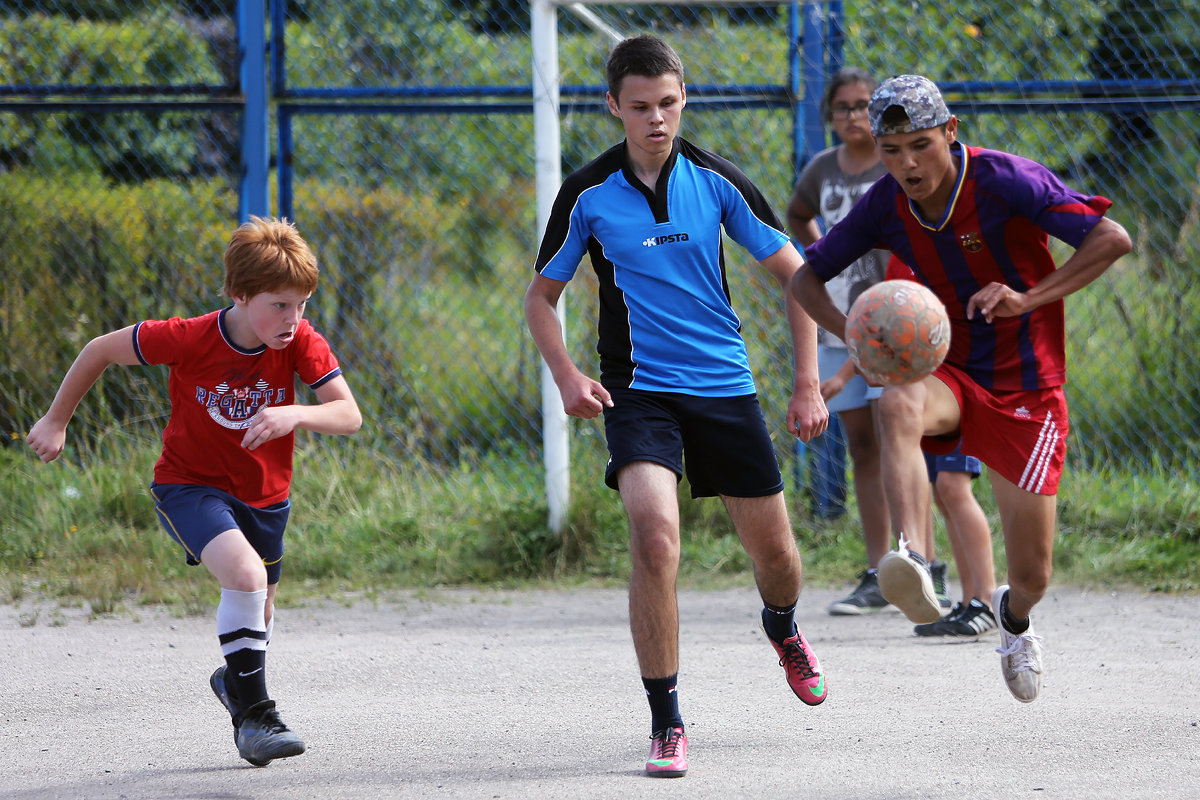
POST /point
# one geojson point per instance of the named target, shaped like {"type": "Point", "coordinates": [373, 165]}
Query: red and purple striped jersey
{"type": "Point", "coordinates": [996, 228]}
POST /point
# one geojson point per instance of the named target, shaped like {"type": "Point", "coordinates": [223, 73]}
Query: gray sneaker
{"type": "Point", "coordinates": [937, 571]}
{"type": "Point", "coordinates": [262, 736]}
{"type": "Point", "coordinates": [905, 581]}
{"type": "Point", "coordinates": [866, 599]}
{"type": "Point", "coordinates": [1020, 656]}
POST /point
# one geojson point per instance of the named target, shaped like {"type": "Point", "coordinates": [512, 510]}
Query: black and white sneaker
{"type": "Point", "coordinates": [905, 581]}
{"type": "Point", "coordinates": [865, 599]}
{"type": "Point", "coordinates": [968, 621]}
{"type": "Point", "coordinates": [975, 620]}
{"type": "Point", "coordinates": [936, 628]}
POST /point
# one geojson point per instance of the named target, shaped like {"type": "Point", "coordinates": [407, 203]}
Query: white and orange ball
{"type": "Point", "coordinates": [897, 332]}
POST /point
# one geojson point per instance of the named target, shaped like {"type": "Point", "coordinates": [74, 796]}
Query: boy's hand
{"type": "Point", "coordinates": [270, 423]}
{"type": "Point", "coordinates": [583, 397]}
{"type": "Point", "coordinates": [831, 387]}
{"type": "Point", "coordinates": [997, 300]}
{"type": "Point", "coordinates": [47, 439]}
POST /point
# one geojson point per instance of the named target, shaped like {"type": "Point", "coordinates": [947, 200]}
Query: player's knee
{"type": "Point", "coordinates": [249, 576]}
{"type": "Point", "coordinates": [775, 556]}
{"type": "Point", "coordinates": [900, 411]}
{"type": "Point", "coordinates": [656, 550]}
{"type": "Point", "coordinates": [1034, 581]}
{"type": "Point", "coordinates": [863, 448]}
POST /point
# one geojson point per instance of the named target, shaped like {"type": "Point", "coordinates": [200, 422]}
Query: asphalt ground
{"type": "Point", "coordinates": [482, 694]}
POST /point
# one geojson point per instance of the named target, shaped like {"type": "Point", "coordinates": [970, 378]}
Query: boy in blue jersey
{"type": "Point", "coordinates": [675, 380]}
{"type": "Point", "coordinates": [973, 225]}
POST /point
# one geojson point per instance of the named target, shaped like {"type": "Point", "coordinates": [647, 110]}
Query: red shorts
{"type": "Point", "coordinates": [1021, 435]}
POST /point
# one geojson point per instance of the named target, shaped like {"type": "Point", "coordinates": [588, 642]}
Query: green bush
{"type": "Point", "coordinates": [156, 50]}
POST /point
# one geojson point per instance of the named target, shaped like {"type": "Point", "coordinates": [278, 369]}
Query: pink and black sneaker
{"type": "Point", "coordinates": [803, 670]}
{"type": "Point", "coordinates": [668, 754]}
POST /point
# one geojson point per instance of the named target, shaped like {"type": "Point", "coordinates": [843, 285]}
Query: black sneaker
{"type": "Point", "coordinates": [866, 599]}
{"type": "Point", "coordinates": [262, 736]}
{"type": "Point", "coordinates": [938, 628]}
{"type": "Point", "coordinates": [217, 682]}
{"type": "Point", "coordinates": [975, 620]}
{"type": "Point", "coordinates": [937, 571]}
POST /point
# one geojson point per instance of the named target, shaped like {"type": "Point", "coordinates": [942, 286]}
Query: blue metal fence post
{"type": "Point", "coordinates": [253, 196]}
{"type": "Point", "coordinates": [820, 51]}
{"type": "Point", "coordinates": [812, 68]}
{"type": "Point", "coordinates": [837, 36]}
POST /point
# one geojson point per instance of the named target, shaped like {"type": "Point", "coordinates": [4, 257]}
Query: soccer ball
{"type": "Point", "coordinates": [897, 332]}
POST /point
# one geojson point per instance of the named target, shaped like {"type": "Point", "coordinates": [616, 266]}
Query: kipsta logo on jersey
{"type": "Point", "coordinates": [667, 238]}
{"type": "Point", "coordinates": [234, 407]}
{"type": "Point", "coordinates": [971, 242]}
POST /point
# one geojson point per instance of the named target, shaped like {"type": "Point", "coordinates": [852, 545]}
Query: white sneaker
{"type": "Point", "coordinates": [1020, 655]}
{"type": "Point", "coordinates": [905, 582]}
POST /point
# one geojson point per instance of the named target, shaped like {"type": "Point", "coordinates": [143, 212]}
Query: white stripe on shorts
{"type": "Point", "coordinates": [1039, 460]}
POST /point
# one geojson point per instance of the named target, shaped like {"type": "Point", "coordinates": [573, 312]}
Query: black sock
{"type": "Point", "coordinates": [779, 622]}
{"type": "Point", "coordinates": [664, 703]}
{"type": "Point", "coordinates": [1011, 623]}
{"type": "Point", "coordinates": [245, 676]}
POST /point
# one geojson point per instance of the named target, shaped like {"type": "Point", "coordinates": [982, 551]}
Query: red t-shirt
{"type": "Point", "coordinates": [216, 388]}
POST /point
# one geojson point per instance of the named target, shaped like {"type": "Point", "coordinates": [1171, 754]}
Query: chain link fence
{"type": "Point", "coordinates": [406, 158]}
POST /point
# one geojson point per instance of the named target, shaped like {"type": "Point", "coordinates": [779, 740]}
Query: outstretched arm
{"type": "Point", "coordinates": [48, 435]}
{"type": "Point", "coordinates": [1103, 245]}
{"type": "Point", "coordinates": [807, 415]}
{"type": "Point", "coordinates": [581, 396]}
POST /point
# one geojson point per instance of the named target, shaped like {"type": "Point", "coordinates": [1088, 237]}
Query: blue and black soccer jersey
{"type": "Point", "coordinates": [666, 323]}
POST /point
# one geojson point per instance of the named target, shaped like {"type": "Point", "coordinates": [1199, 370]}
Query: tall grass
{"type": "Point", "coordinates": [83, 531]}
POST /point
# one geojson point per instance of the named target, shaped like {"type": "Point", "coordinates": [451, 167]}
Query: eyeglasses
{"type": "Point", "coordinates": [845, 112]}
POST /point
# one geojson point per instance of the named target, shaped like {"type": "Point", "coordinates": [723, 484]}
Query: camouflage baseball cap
{"type": "Point", "coordinates": [918, 96]}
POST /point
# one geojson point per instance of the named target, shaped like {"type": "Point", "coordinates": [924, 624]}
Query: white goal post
{"type": "Point", "coordinates": [547, 162]}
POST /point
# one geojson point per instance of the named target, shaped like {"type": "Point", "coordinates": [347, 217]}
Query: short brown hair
{"type": "Point", "coordinates": [266, 255]}
{"type": "Point", "coordinates": [645, 56]}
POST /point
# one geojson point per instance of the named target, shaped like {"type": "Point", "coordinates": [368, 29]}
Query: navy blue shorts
{"type": "Point", "coordinates": [724, 441]}
{"type": "Point", "coordinates": [195, 515]}
{"type": "Point", "coordinates": [952, 462]}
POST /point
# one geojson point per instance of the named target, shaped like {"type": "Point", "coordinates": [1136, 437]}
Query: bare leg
{"type": "Point", "coordinates": [960, 559]}
{"type": "Point", "coordinates": [648, 491]}
{"type": "Point", "coordinates": [763, 527]}
{"type": "Point", "coordinates": [970, 536]}
{"type": "Point", "coordinates": [863, 444]}
{"type": "Point", "coordinates": [1028, 521]}
{"type": "Point", "coordinates": [906, 414]}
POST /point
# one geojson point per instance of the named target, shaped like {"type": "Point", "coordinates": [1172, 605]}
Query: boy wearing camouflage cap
{"type": "Point", "coordinates": [973, 225]}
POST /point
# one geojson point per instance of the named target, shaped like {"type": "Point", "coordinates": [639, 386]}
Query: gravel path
{"type": "Point", "coordinates": [481, 694]}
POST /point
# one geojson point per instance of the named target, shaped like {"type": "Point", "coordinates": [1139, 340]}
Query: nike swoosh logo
{"type": "Point", "coordinates": [819, 689]}
{"type": "Point", "coordinates": [251, 672]}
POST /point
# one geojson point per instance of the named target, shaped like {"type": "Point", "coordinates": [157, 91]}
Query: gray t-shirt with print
{"type": "Point", "coordinates": [824, 188]}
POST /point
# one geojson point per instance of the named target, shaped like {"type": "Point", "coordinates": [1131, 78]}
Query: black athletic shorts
{"type": "Point", "coordinates": [723, 440]}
